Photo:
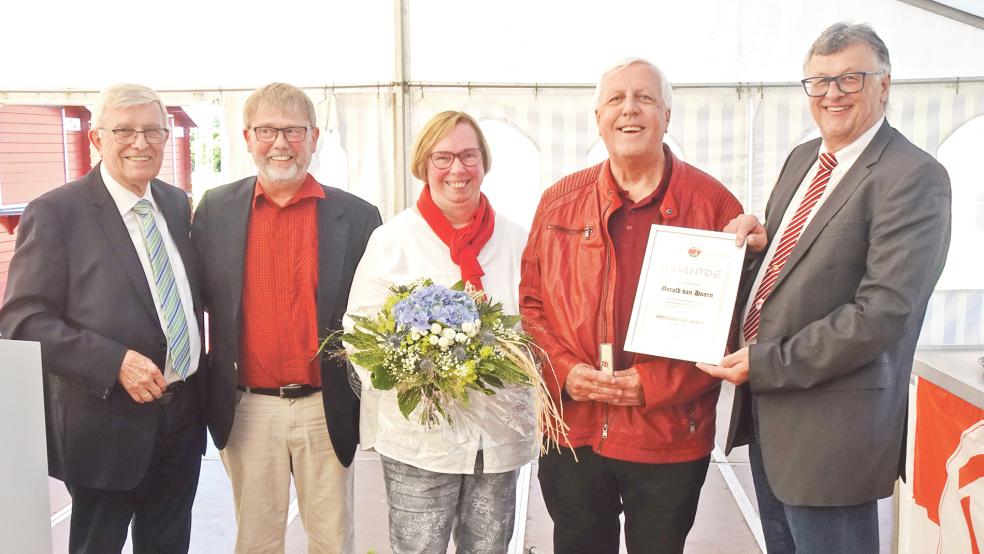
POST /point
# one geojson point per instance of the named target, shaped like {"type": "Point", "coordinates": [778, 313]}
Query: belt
{"type": "Point", "coordinates": [174, 388]}
{"type": "Point", "coordinates": [286, 391]}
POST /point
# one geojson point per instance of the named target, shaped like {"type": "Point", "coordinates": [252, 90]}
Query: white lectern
{"type": "Point", "coordinates": [25, 514]}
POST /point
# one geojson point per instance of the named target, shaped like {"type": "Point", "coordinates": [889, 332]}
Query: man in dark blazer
{"type": "Point", "coordinates": [119, 326]}
{"type": "Point", "coordinates": [278, 252]}
{"type": "Point", "coordinates": [859, 225]}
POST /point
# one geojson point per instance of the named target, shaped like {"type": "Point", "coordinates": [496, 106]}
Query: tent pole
{"type": "Point", "coordinates": [401, 111]}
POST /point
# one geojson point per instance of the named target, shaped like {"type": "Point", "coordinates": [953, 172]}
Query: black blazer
{"type": "Point", "coordinates": [219, 234]}
{"type": "Point", "coordinates": [76, 285]}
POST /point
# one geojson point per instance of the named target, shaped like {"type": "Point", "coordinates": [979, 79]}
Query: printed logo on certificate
{"type": "Point", "coordinates": [686, 295]}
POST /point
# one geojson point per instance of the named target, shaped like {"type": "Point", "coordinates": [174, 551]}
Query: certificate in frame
{"type": "Point", "coordinates": [685, 299]}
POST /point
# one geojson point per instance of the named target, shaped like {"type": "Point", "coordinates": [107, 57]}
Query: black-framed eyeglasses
{"type": "Point", "coordinates": [269, 134]}
{"type": "Point", "coordinates": [154, 135]}
{"type": "Point", "coordinates": [848, 83]}
{"type": "Point", "coordinates": [469, 158]}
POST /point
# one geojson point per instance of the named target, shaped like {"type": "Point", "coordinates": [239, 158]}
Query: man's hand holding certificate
{"type": "Point", "coordinates": [686, 295]}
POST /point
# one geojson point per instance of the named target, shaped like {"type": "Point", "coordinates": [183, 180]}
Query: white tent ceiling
{"type": "Point", "coordinates": [193, 44]}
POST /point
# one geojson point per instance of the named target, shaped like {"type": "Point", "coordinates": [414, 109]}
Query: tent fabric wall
{"type": "Point", "coordinates": [740, 134]}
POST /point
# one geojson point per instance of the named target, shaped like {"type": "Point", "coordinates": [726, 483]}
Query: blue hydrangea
{"type": "Point", "coordinates": [435, 303]}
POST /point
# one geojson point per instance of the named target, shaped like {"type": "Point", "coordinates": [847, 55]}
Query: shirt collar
{"type": "Point", "coordinates": [123, 197]}
{"type": "Point", "coordinates": [849, 154]}
{"type": "Point", "coordinates": [607, 182]}
{"type": "Point", "coordinates": [311, 188]}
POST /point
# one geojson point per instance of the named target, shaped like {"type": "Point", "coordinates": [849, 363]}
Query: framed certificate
{"type": "Point", "coordinates": [686, 294]}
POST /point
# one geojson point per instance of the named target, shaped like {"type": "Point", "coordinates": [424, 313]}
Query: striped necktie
{"type": "Point", "coordinates": [788, 241]}
{"type": "Point", "coordinates": [179, 347]}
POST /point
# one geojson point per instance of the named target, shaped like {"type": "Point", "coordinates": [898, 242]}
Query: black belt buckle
{"type": "Point", "coordinates": [292, 391]}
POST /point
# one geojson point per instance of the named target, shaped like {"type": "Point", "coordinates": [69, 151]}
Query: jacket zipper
{"type": "Point", "coordinates": [604, 303]}
{"type": "Point", "coordinates": [587, 230]}
{"type": "Point", "coordinates": [587, 233]}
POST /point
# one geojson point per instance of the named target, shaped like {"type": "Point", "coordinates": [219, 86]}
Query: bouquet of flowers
{"type": "Point", "coordinates": [435, 345]}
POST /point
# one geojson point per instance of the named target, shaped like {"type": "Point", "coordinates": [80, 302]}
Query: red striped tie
{"type": "Point", "coordinates": [788, 242]}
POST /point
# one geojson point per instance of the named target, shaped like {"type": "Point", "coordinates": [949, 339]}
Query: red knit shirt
{"type": "Point", "coordinates": [280, 284]}
{"type": "Point", "coordinates": [629, 227]}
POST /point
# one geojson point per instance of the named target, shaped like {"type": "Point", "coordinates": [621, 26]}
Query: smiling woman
{"type": "Point", "coordinates": [435, 475]}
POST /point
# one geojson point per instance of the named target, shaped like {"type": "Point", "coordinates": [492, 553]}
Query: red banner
{"type": "Point", "coordinates": [949, 466]}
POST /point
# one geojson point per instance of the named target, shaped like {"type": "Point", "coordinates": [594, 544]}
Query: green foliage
{"type": "Point", "coordinates": [435, 368]}
{"type": "Point", "coordinates": [408, 400]}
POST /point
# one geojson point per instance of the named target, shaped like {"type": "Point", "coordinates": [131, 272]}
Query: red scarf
{"type": "Point", "coordinates": [465, 243]}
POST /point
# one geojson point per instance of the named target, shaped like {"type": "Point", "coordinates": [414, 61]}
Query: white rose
{"type": "Point", "coordinates": [468, 327]}
{"type": "Point", "coordinates": [449, 333]}
{"type": "Point", "coordinates": [460, 337]}
{"type": "Point", "coordinates": [433, 339]}
{"type": "Point", "coordinates": [435, 328]}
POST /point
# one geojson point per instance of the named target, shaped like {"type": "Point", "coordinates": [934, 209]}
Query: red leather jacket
{"type": "Point", "coordinates": [567, 301]}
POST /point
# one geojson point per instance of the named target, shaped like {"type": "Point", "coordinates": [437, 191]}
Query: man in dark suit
{"type": "Point", "coordinates": [278, 252]}
{"type": "Point", "coordinates": [859, 224]}
{"type": "Point", "coordinates": [103, 277]}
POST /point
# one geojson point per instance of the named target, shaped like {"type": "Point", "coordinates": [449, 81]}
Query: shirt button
{"type": "Point", "coordinates": [628, 227]}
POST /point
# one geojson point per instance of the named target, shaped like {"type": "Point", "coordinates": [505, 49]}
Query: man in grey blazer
{"type": "Point", "coordinates": [103, 276]}
{"type": "Point", "coordinates": [858, 227]}
{"type": "Point", "coordinates": [277, 253]}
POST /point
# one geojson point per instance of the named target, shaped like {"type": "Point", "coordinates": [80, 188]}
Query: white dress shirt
{"type": "Point", "coordinates": [125, 199]}
{"type": "Point", "coordinates": [845, 159]}
{"type": "Point", "coordinates": [503, 426]}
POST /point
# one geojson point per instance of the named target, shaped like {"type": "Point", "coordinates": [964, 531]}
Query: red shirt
{"type": "Point", "coordinates": [629, 228]}
{"type": "Point", "coordinates": [280, 285]}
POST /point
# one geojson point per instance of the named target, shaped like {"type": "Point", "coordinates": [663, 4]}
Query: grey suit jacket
{"type": "Point", "coordinates": [77, 286]}
{"type": "Point", "coordinates": [829, 374]}
{"type": "Point", "coordinates": [219, 233]}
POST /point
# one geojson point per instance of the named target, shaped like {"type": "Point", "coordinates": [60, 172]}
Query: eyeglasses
{"type": "Point", "coordinates": [443, 160]}
{"type": "Point", "coordinates": [269, 134]}
{"type": "Point", "coordinates": [847, 83]}
{"type": "Point", "coordinates": [154, 135]}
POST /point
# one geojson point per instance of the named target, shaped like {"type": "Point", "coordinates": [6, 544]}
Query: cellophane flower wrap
{"type": "Point", "coordinates": [435, 345]}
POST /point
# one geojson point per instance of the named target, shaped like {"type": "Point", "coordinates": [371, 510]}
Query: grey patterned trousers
{"type": "Point", "coordinates": [425, 506]}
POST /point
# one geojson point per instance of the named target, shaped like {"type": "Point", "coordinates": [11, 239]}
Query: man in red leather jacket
{"type": "Point", "coordinates": [642, 436]}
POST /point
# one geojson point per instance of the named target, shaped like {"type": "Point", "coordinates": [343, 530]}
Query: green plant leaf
{"type": "Point", "coordinates": [360, 341]}
{"type": "Point", "coordinates": [382, 379]}
{"type": "Point", "coordinates": [511, 321]}
{"type": "Point", "coordinates": [408, 401]}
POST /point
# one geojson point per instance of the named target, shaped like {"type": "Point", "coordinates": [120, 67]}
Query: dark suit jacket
{"type": "Point", "coordinates": [76, 285]}
{"type": "Point", "coordinates": [219, 232]}
{"type": "Point", "coordinates": [830, 372]}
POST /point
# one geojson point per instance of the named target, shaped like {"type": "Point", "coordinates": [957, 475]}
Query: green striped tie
{"type": "Point", "coordinates": [167, 291]}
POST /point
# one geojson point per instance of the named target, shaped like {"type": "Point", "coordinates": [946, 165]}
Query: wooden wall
{"type": "Point", "coordinates": [32, 152]}
{"type": "Point", "coordinates": [6, 251]}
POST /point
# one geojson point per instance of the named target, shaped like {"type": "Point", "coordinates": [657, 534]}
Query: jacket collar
{"type": "Point", "coordinates": [608, 188]}
{"type": "Point", "coordinates": [838, 197]}
{"type": "Point", "coordinates": [118, 238]}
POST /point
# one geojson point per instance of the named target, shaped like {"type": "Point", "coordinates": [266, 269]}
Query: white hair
{"type": "Point", "coordinates": [665, 90]}
{"type": "Point", "coordinates": [126, 95]}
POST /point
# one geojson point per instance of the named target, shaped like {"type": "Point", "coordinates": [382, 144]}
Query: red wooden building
{"type": "Point", "coordinates": [43, 147]}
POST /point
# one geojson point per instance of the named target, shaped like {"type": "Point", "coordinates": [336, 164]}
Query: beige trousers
{"type": "Point", "coordinates": [272, 439]}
